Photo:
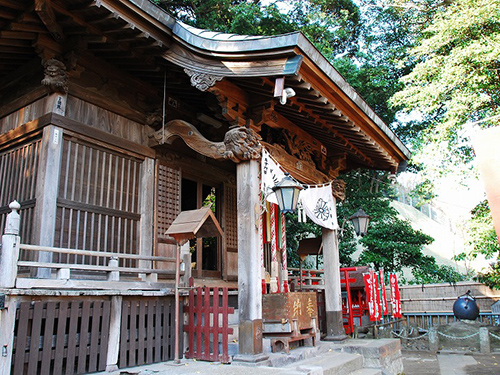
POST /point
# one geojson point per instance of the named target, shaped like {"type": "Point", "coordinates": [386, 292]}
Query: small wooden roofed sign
{"type": "Point", "coordinates": [194, 223]}
{"type": "Point", "coordinates": [310, 246]}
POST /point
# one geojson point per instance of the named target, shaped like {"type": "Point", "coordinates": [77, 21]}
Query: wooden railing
{"type": "Point", "coordinates": [305, 279]}
{"type": "Point", "coordinates": [111, 275]}
{"type": "Point", "coordinates": [91, 269]}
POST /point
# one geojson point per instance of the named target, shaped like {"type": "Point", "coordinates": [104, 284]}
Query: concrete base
{"type": "Point", "coordinates": [383, 354]}
{"type": "Point", "coordinates": [336, 338]}
{"type": "Point", "coordinates": [461, 328]}
{"type": "Point", "coordinates": [250, 359]}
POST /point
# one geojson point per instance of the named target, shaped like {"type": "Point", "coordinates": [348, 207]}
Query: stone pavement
{"type": "Point", "coordinates": [415, 363]}
{"type": "Point", "coordinates": [425, 363]}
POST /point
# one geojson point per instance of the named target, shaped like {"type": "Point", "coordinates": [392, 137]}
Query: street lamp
{"type": "Point", "coordinates": [287, 194]}
{"type": "Point", "coordinates": [360, 222]}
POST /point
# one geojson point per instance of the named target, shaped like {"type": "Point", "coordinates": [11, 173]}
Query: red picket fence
{"type": "Point", "coordinates": [208, 326]}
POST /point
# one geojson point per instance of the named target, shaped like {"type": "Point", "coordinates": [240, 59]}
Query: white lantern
{"type": "Point", "coordinates": [360, 222]}
{"type": "Point", "coordinates": [287, 194]}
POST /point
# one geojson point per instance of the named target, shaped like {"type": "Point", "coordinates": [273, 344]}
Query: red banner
{"type": "Point", "coordinates": [395, 297]}
{"type": "Point", "coordinates": [372, 296]}
{"type": "Point", "coordinates": [385, 308]}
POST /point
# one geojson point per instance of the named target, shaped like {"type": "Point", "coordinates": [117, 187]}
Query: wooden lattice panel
{"type": "Point", "coordinates": [98, 200]}
{"type": "Point", "coordinates": [18, 172]}
{"type": "Point", "coordinates": [66, 337]}
{"type": "Point", "coordinates": [168, 198]}
{"type": "Point", "coordinates": [230, 214]}
{"type": "Point", "coordinates": [148, 331]}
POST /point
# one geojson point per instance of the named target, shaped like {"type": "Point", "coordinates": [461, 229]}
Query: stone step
{"type": "Point", "coordinates": [329, 363]}
{"type": "Point", "coordinates": [367, 371]}
{"type": "Point", "coordinates": [382, 354]}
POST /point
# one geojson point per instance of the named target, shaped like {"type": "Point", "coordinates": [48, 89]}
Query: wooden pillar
{"type": "Point", "coordinates": [10, 248]}
{"type": "Point", "coordinates": [114, 333]}
{"type": "Point", "coordinates": [147, 214]}
{"type": "Point", "coordinates": [7, 323]}
{"type": "Point", "coordinates": [333, 292]}
{"type": "Point", "coordinates": [249, 272]}
{"type": "Point", "coordinates": [47, 186]}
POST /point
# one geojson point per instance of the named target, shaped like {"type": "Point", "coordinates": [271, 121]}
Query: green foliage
{"type": "Point", "coordinates": [455, 79]}
{"type": "Point", "coordinates": [392, 244]}
{"type": "Point", "coordinates": [295, 232]}
{"type": "Point", "coordinates": [424, 192]}
{"type": "Point", "coordinates": [333, 26]}
{"type": "Point", "coordinates": [491, 277]}
{"type": "Point", "coordinates": [430, 272]}
{"type": "Point", "coordinates": [482, 240]}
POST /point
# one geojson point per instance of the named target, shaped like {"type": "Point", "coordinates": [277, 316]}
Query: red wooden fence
{"type": "Point", "coordinates": [208, 324]}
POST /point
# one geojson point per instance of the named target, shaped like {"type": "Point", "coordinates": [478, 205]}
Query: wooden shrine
{"type": "Point", "coordinates": [114, 118]}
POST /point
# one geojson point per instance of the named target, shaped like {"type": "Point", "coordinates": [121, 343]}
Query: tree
{"type": "Point", "coordinates": [333, 26]}
{"type": "Point", "coordinates": [455, 80]}
{"type": "Point", "coordinates": [483, 241]}
{"type": "Point", "coordinates": [391, 243]}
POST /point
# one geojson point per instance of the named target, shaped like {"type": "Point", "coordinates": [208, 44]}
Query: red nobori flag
{"type": "Point", "coordinates": [395, 297]}
{"type": "Point", "coordinates": [385, 308]}
{"type": "Point", "coordinates": [371, 287]}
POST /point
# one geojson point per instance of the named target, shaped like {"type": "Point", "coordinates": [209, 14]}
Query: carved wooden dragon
{"type": "Point", "coordinates": [240, 143]}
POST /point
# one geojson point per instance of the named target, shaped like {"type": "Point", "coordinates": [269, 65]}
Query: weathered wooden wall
{"type": "Point", "coordinates": [440, 297]}
{"type": "Point", "coordinates": [28, 112]}
{"type": "Point", "coordinates": [83, 112]}
{"type": "Point", "coordinates": [108, 121]}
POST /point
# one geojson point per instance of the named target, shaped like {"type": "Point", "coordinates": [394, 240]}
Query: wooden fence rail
{"type": "Point", "coordinates": [110, 271]}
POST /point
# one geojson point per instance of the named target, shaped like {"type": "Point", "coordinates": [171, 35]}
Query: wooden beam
{"type": "Point", "coordinates": [47, 183]}
{"type": "Point", "coordinates": [345, 104]}
{"type": "Point", "coordinates": [44, 10]}
{"type": "Point", "coordinates": [98, 136]}
{"type": "Point", "coordinates": [303, 171]}
{"type": "Point", "coordinates": [13, 4]}
{"type": "Point", "coordinates": [16, 26]}
{"type": "Point", "coordinates": [275, 120]}
{"type": "Point", "coordinates": [47, 47]}
{"type": "Point", "coordinates": [91, 29]}
{"type": "Point", "coordinates": [233, 101]}
{"type": "Point", "coordinates": [9, 34]}
{"type": "Point", "coordinates": [325, 125]}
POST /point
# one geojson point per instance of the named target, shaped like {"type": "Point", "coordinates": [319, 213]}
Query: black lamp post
{"type": "Point", "coordinates": [287, 193]}
{"type": "Point", "coordinates": [360, 222]}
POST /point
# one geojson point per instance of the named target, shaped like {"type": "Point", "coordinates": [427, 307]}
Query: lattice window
{"type": "Point", "coordinates": [168, 198]}
{"type": "Point", "coordinates": [230, 214]}
{"type": "Point", "coordinates": [18, 172]}
{"type": "Point", "coordinates": [98, 201]}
